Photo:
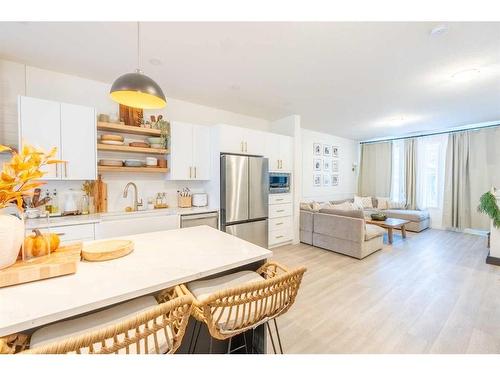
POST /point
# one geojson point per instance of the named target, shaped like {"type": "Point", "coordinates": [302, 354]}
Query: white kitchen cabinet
{"type": "Point", "coordinates": [70, 128]}
{"type": "Point", "coordinates": [40, 126]}
{"type": "Point", "coordinates": [70, 233]}
{"type": "Point", "coordinates": [279, 150]}
{"type": "Point", "coordinates": [280, 219]}
{"type": "Point", "coordinates": [189, 152]}
{"type": "Point", "coordinates": [128, 226]}
{"type": "Point", "coordinates": [78, 142]}
{"type": "Point", "coordinates": [239, 140]}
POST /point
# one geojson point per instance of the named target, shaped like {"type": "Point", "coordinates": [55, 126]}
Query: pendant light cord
{"type": "Point", "coordinates": [138, 47]}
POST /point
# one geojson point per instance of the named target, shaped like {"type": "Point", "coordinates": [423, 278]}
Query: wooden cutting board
{"type": "Point", "coordinates": [101, 195]}
{"type": "Point", "coordinates": [64, 261]}
{"type": "Point", "coordinates": [107, 250]}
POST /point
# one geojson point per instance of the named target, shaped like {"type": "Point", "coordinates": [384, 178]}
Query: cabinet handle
{"type": "Point", "coordinates": [66, 169]}
{"type": "Point", "coordinates": [190, 171]}
{"type": "Point", "coordinates": [281, 164]}
{"type": "Point", "coordinates": [279, 199]}
{"type": "Point", "coordinates": [246, 147]}
{"type": "Point", "coordinates": [279, 237]}
{"type": "Point", "coordinates": [194, 172]}
{"type": "Point", "coordinates": [280, 211]}
{"type": "Point", "coordinates": [242, 147]}
{"type": "Point", "coordinates": [279, 223]}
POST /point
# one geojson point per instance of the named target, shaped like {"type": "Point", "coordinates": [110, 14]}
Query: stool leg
{"type": "Point", "coordinates": [271, 337]}
{"type": "Point", "coordinates": [210, 347]}
{"type": "Point", "coordinates": [245, 341]}
{"type": "Point", "coordinates": [278, 334]}
{"type": "Point", "coordinates": [229, 345]}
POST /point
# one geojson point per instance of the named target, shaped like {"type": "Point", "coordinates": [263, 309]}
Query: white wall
{"type": "Point", "coordinates": [18, 79]}
{"type": "Point", "coordinates": [349, 151]}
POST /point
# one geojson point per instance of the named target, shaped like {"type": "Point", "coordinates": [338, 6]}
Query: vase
{"type": "Point", "coordinates": [11, 239]}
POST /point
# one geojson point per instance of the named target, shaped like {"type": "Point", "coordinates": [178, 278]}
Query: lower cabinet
{"type": "Point", "coordinates": [128, 226]}
{"type": "Point", "coordinates": [70, 233]}
{"type": "Point", "coordinates": [280, 219]}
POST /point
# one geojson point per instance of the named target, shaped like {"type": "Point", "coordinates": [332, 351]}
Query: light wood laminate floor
{"type": "Point", "coordinates": [429, 293]}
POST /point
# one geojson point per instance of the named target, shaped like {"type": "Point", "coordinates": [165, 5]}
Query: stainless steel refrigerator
{"type": "Point", "coordinates": [244, 193]}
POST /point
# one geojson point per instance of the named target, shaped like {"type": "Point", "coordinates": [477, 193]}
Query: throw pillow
{"type": "Point", "coordinates": [363, 202]}
{"type": "Point", "coordinates": [306, 206]}
{"type": "Point", "coordinates": [382, 203]}
{"type": "Point", "coordinates": [345, 206]}
{"type": "Point", "coordinates": [315, 206]}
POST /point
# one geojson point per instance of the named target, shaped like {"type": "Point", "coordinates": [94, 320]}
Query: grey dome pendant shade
{"type": "Point", "coordinates": [136, 89]}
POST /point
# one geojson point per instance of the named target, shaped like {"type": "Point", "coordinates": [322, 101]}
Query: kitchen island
{"type": "Point", "coordinates": [160, 260]}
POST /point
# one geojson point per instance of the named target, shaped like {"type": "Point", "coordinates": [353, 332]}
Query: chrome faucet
{"type": "Point", "coordinates": [137, 203]}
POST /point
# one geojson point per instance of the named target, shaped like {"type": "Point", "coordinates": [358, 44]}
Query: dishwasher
{"type": "Point", "coordinates": [207, 218]}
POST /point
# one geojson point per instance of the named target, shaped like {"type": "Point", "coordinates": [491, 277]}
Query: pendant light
{"type": "Point", "coordinates": [136, 89]}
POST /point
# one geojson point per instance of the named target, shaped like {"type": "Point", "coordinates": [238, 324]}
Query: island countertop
{"type": "Point", "coordinates": [160, 260]}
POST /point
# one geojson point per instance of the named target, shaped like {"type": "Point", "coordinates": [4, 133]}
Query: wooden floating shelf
{"type": "Point", "coordinates": [132, 169]}
{"type": "Point", "coordinates": [127, 129]}
{"type": "Point", "coordinates": [142, 150]}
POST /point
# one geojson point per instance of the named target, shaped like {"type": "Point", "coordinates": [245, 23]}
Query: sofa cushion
{"type": "Point", "coordinates": [412, 215]}
{"type": "Point", "coordinates": [344, 206]}
{"type": "Point", "coordinates": [351, 200]}
{"type": "Point", "coordinates": [357, 214]}
{"type": "Point", "coordinates": [372, 231]}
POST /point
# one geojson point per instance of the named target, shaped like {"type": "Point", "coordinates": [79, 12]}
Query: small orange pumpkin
{"type": "Point", "coordinates": [39, 244]}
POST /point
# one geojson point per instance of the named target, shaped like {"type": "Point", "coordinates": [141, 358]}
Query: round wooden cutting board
{"type": "Point", "coordinates": [107, 250]}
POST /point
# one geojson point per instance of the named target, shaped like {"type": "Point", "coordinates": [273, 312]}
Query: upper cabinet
{"type": "Point", "coordinates": [70, 128]}
{"type": "Point", "coordinates": [238, 140]}
{"type": "Point", "coordinates": [279, 150]}
{"type": "Point", "coordinates": [189, 151]}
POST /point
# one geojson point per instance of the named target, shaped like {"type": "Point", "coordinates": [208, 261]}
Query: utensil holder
{"type": "Point", "coordinates": [184, 202]}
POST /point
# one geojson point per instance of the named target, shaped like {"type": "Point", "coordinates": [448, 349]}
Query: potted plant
{"type": "Point", "coordinates": [18, 178]}
{"type": "Point", "coordinates": [488, 205]}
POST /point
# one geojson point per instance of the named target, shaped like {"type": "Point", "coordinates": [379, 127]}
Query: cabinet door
{"type": "Point", "coordinates": [231, 139]}
{"type": "Point", "coordinates": [39, 126]}
{"type": "Point", "coordinates": [78, 142]}
{"type": "Point", "coordinates": [201, 152]}
{"type": "Point", "coordinates": [181, 151]}
{"type": "Point", "coordinates": [272, 151]}
{"type": "Point", "coordinates": [254, 142]}
{"type": "Point", "coordinates": [286, 153]}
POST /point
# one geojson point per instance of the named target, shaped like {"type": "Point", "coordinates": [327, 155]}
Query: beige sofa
{"type": "Point", "coordinates": [344, 232]}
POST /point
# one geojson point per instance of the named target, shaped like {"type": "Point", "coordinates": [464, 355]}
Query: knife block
{"type": "Point", "coordinates": [184, 202]}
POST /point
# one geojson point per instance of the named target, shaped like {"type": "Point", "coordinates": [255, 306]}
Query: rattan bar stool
{"type": "Point", "coordinates": [146, 325]}
{"type": "Point", "coordinates": [233, 304]}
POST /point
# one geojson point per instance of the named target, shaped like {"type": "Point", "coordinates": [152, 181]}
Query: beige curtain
{"type": "Point", "coordinates": [375, 169]}
{"type": "Point", "coordinates": [457, 197]}
{"type": "Point", "coordinates": [411, 173]}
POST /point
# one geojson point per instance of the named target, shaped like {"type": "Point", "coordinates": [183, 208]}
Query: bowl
{"type": "Point", "coordinates": [134, 163]}
{"type": "Point", "coordinates": [156, 145]}
{"type": "Point", "coordinates": [154, 140]}
{"type": "Point", "coordinates": [151, 162]}
{"type": "Point", "coordinates": [378, 216]}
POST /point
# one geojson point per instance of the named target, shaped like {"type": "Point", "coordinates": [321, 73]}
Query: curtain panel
{"type": "Point", "coordinates": [457, 197]}
{"type": "Point", "coordinates": [411, 173]}
{"type": "Point", "coordinates": [375, 169]}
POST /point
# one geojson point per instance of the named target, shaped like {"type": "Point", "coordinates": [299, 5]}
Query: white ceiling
{"type": "Point", "coordinates": [347, 79]}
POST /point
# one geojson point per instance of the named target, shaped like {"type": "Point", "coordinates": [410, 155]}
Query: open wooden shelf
{"type": "Point", "coordinates": [127, 129]}
{"type": "Point", "coordinates": [124, 148]}
{"type": "Point", "coordinates": [101, 168]}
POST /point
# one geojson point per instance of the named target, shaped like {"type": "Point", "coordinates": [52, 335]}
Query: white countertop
{"type": "Point", "coordinates": [119, 215]}
{"type": "Point", "coordinates": [159, 260]}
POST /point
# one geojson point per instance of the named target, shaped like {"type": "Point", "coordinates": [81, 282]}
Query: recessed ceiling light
{"type": "Point", "coordinates": [155, 61]}
{"type": "Point", "coordinates": [466, 75]}
{"type": "Point", "coordinates": [438, 30]}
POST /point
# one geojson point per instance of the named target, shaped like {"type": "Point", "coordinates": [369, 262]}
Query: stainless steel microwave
{"type": "Point", "coordinates": [279, 182]}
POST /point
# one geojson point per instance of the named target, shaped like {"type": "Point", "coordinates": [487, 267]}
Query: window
{"type": "Point", "coordinates": [431, 154]}
{"type": "Point", "coordinates": [398, 171]}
